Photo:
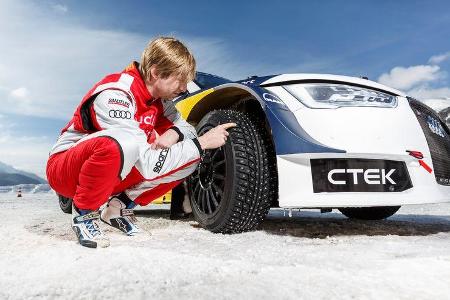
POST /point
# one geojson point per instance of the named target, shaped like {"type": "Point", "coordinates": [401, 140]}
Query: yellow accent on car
{"type": "Point", "coordinates": [185, 106]}
{"type": "Point", "coordinates": [165, 199]}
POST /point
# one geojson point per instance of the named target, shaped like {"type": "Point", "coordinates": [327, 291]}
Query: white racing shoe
{"type": "Point", "coordinates": [86, 227]}
{"type": "Point", "coordinates": [118, 215]}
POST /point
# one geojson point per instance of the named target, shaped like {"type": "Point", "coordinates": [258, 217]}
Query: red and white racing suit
{"type": "Point", "coordinates": [105, 148]}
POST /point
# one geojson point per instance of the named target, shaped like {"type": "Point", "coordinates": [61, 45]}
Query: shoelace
{"type": "Point", "coordinates": [93, 227]}
{"type": "Point", "coordinates": [91, 222]}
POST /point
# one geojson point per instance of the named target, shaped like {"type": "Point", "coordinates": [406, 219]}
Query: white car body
{"type": "Point", "coordinates": [363, 132]}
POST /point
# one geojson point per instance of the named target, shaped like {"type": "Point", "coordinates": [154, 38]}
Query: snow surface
{"type": "Point", "coordinates": [27, 188]}
{"type": "Point", "coordinates": [308, 256]}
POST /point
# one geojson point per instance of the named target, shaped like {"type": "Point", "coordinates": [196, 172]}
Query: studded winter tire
{"type": "Point", "coordinates": [230, 192]}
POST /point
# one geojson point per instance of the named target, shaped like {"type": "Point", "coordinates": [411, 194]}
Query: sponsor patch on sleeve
{"type": "Point", "coordinates": [120, 102]}
{"type": "Point", "coordinates": [161, 160]}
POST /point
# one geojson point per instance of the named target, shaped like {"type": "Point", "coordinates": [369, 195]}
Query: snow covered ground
{"type": "Point", "coordinates": [308, 256]}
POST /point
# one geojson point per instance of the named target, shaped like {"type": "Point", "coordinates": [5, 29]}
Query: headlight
{"type": "Point", "coordinates": [325, 95]}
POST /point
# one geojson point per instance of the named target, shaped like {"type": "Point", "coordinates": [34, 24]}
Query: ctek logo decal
{"type": "Point", "coordinates": [161, 159]}
{"type": "Point", "coordinates": [360, 175]}
{"type": "Point", "coordinates": [370, 176]}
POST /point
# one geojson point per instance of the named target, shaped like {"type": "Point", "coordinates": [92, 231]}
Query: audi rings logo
{"type": "Point", "coordinates": [119, 114]}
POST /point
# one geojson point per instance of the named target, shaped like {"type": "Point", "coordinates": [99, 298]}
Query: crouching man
{"type": "Point", "coordinates": [127, 144]}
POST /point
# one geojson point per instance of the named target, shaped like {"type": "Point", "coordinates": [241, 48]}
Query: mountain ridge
{"type": "Point", "coordinates": [12, 176]}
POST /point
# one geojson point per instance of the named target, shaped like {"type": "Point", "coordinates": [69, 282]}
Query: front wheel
{"type": "Point", "coordinates": [230, 190]}
{"type": "Point", "coordinates": [369, 213]}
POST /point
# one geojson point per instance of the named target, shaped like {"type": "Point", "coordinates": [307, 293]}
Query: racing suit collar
{"type": "Point", "coordinates": [145, 98]}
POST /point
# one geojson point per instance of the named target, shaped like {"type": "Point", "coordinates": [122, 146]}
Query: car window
{"type": "Point", "coordinates": [206, 81]}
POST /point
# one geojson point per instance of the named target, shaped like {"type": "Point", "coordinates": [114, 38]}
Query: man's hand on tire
{"type": "Point", "coordinates": [215, 137]}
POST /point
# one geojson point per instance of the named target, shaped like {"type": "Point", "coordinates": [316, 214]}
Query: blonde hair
{"type": "Point", "coordinates": [169, 56]}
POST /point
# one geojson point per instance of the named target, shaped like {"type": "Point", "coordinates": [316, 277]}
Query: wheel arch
{"type": "Point", "coordinates": [226, 96]}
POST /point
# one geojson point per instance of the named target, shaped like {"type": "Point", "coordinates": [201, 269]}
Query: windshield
{"type": "Point", "coordinates": [206, 81]}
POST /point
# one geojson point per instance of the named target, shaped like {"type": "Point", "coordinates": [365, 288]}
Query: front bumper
{"type": "Point", "coordinates": [296, 184]}
{"type": "Point", "coordinates": [373, 134]}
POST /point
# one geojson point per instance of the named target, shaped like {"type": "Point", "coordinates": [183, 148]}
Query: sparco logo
{"type": "Point", "coordinates": [119, 102]}
{"type": "Point", "coordinates": [161, 159]}
{"type": "Point", "coordinates": [119, 114]}
{"type": "Point", "coordinates": [370, 176]}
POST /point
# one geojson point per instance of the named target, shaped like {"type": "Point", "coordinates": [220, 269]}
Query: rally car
{"type": "Point", "coordinates": [312, 141]}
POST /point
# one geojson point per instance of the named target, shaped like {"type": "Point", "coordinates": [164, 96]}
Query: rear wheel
{"type": "Point", "coordinates": [230, 190]}
{"type": "Point", "coordinates": [369, 213]}
{"type": "Point", "coordinates": [65, 204]}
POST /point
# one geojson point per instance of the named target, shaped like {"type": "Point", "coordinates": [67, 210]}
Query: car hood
{"type": "Point", "coordinates": [289, 78]}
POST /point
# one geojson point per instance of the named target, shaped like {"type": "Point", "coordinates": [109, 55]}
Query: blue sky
{"type": "Point", "coordinates": [53, 51]}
